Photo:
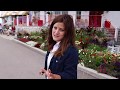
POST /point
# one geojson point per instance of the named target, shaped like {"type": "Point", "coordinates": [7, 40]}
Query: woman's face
{"type": "Point", "coordinates": [58, 31]}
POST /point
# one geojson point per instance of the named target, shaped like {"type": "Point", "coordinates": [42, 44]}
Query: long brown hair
{"type": "Point", "coordinates": [69, 37]}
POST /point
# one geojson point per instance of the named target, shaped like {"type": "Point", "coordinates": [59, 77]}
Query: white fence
{"type": "Point", "coordinates": [29, 29]}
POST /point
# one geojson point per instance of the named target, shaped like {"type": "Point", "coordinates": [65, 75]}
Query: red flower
{"type": "Point", "coordinates": [80, 40]}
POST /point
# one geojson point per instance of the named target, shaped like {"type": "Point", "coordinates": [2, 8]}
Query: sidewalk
{"type": "Point", "coordinates": [10, 37]}
{"type": "Point", "coordinates": [17, 61]}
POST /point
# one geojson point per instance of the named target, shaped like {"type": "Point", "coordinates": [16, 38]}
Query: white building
{"type": "Point", "coordinates": [100, 19]}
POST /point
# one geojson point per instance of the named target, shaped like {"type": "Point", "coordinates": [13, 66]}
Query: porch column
{"type": "Point", "coordinates": [42, 16]}
{"type": "Point", "coordinates": [3, 20]}
{"type": "Point", "coordinates": [13, 21]}
{"type": "Point", "coordinates": [85, 15]}
{"type": "Point", "coordinates": [17, 20]}
{"type": "Point", "coordinates": [73, 14]}
{"type": "Point", "coordinates": [85, 18]}
{"type": "Point", "coordinates": [27, 20]}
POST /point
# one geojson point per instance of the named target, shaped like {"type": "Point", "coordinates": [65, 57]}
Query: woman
{"type": "Point", "coordinates": [62, 56]}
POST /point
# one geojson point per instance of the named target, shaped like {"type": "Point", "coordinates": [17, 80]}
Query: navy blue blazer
{"type": "Point", "coordinates": [66, 65]}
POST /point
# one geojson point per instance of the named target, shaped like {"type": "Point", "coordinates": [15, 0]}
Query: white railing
{"type": "Point", "coordinates": [27, 28]}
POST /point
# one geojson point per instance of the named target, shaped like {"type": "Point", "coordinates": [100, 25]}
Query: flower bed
{"type": "Point", "coordinates": [23, 40]}
{"type": "Point", "coordinates": [35, 39]}
{"type": "Point", "coordinates": [93, 52]}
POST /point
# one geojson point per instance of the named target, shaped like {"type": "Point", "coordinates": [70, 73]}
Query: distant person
{"type": "Point", "coordinates": [4, 28]}
{"type": "Point", "coordinates": [9, 30]}
{"type": "Point", "coordinates": [1, 30]}
{"type": "Point", "coordinates": [13, 30]}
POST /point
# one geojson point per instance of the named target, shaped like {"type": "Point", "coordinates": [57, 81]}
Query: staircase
{"type": "Point", "coordinates": [110, 32]}
{"type": "Point", "coordinates": [118, 37]}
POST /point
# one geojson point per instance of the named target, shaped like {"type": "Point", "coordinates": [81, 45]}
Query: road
{"type": "Point", "coordinates": [18, 61]}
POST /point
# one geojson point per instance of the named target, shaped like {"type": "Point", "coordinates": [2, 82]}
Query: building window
{"type": "Point", "coordinates": [78, 14]}
{"type": "Point", "coordinates": [64, 12]}
{"type": "Point", "coordinates": [61, 12]}
{"type": "Point", "coordinates": [57, 12]}
{"type": "Point", "coordinates": [37, 14]}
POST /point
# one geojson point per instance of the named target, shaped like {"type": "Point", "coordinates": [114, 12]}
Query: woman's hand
{"type": "Point", "coordinates": [42, 71]}
{"type": "Point", "coordinates": [49, 74]}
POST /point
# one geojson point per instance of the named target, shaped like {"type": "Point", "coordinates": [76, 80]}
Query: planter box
{"type": "Point", "coordinates": [87, 73]}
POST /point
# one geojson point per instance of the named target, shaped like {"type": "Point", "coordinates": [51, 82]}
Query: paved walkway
{"type": "Point", "coordinates": [17, 61]}
{"type": "Point", "coordinates": [7, 37]}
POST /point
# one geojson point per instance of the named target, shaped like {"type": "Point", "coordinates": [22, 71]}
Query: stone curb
{"type": "Point", "coordinates": [30, 47]}
{"type": "Point", "coordinates": [94, 73]}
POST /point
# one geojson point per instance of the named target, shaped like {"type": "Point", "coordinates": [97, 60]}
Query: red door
{"type": "Point", "coordinates": [95, 19]}
{"type": "Point", "coordinates": [40, 22]}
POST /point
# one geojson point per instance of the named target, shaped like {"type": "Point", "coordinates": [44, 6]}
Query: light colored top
{"type": "Point", "coordinates": [55, 48]}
